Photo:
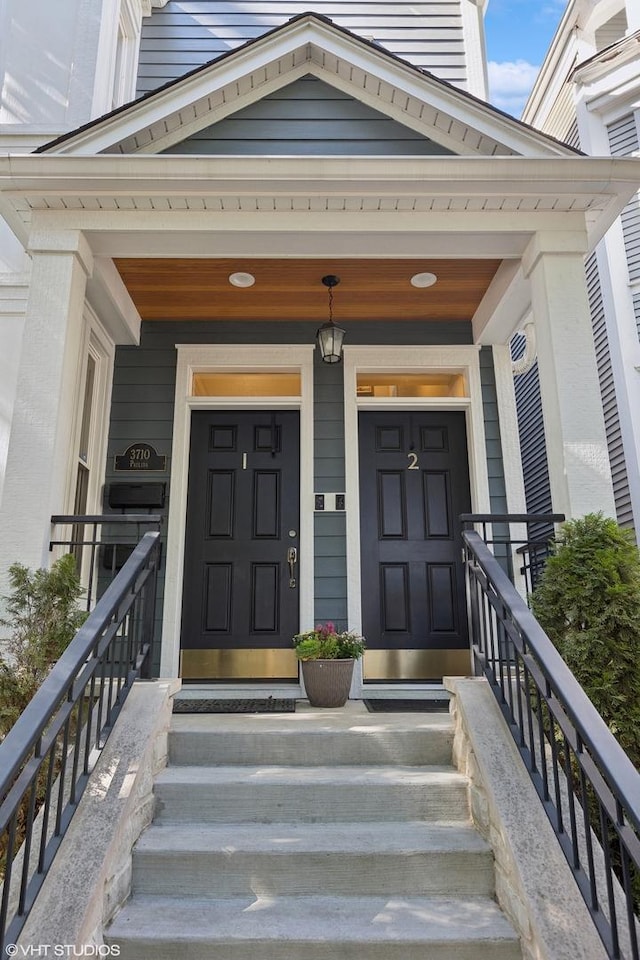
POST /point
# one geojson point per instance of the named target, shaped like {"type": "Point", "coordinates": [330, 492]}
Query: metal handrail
{"type": "Point", "coordinates": [528, 518]}
{"type": "Point", "coordinates": [127, 526]}
{"type": "Point", "coordinates": [529, 552]}
{"type": "Point", "coordinates": [154, 518]}
{"type": "Point", "coordinates": [568, 749]}
{"type": "Point", "coordinates": [54, 744]}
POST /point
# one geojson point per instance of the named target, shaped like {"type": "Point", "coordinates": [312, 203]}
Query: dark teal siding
{"type": "Point", "coordinates": [328, 417]}
{"type": "Point", "coordinates": [532, 437]}
{"type": "Point", "coordinates": [308, 117]}
{"type": "Point", "coordinates": [495, 466]}
{"type": "Point", "coordinates": [186, 34]}
{"type": "Point", "coordinates": [493, 444]}
{"type": "Point", "coordinates": [330, 586]}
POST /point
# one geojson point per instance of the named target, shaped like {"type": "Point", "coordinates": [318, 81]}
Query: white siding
{"type": "Point", "coordinates": [624, 511]}
{"type": "Point", "coordinates": [611, 31]}
{"type": "Point", "coordinates": [624, 141]}
{"type": "Point", "coordinates": [623, 136]}
{"type": "Point", "coordinates": [561, 122]}
{"type": "Point", "coordinates": [185, 34]}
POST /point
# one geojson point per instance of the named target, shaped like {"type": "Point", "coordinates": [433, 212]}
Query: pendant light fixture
{"type": "Point", "coordinates": [329, 336]}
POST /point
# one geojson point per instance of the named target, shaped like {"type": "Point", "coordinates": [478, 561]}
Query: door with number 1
{"type": "Point", "coordinates": [240, 596]}
{"type": "Point", "coordinates": [414, 484]}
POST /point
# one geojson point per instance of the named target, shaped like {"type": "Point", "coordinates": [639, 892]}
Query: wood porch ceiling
{"type": "Point", "coordinates": [292, 289]}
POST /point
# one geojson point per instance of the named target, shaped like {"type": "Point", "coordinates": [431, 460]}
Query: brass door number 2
{"type": "Point", "coordinates": [413, 461]}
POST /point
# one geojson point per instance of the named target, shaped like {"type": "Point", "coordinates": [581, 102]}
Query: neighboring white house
{"type": "Point", "coordinates": [168, 304]}
{"type": "Point", "coordinates": [588, 94]}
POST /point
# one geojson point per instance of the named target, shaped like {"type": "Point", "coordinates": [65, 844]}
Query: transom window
{"type": "Point", "coordinates": [246, 384]}
{"type": "Point", "coordinates": [411, 385]}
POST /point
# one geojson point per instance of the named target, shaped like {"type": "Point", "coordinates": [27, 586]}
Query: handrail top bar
{"type": "Point", "coordinates": [524, 544]}
{"type": "Point", "coordinates": [19, 741]}
{"type": "Point", "coordinates": [593, 730]}
{"type": "Point", "coordinates": [109, 518]}
{"type": "Point", "coordinates": [512, 517]}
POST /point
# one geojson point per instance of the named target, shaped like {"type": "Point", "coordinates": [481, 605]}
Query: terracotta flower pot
{"type": "Point", "coordinates": [327, 682]}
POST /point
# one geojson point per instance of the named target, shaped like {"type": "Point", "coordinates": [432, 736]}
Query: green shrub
{"type": "Point", "coordinates": [588, 602]}
{"type": "Point", "coordinates": [42, 618]}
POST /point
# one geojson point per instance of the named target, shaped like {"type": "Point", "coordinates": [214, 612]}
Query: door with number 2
{"type": "Point", "coordinates": [414, 484]}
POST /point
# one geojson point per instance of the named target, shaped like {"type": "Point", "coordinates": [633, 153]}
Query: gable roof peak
{"type": "Point", "coordinates": [308, 43]}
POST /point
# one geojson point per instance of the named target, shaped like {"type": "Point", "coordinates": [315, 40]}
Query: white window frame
{"type": "Point", "coordinates": [97, 343]}
{"type": "Point", "coordinates": [119, 45]}
{"type": "Point", "coordinates": [126, 53]}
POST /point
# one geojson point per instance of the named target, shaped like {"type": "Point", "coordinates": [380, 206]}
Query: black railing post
{"type": "Point", "coordinates": [149, 624]}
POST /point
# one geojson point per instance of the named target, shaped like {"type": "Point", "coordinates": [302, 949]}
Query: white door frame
{"type": "Point", "coordinates": [233, 358]}
{"type": "Point", "coordinates": [463, 360]}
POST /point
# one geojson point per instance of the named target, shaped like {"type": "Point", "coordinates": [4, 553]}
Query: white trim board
{"type": "Point", "coordinates": [237, 357]}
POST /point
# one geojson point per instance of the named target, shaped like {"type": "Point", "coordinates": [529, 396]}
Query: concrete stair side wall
{"type": "Point", "coordinates": [534, 884]}
{"type": "Point", "coordinates": [91, 875]}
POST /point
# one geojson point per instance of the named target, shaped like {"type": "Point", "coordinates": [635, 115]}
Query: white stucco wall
{"type": "Point", "coordinates": [13, 293]}
{"type": "Point", "coordinates": [13, 258]}
{"type": "Point", "coordinates": [49, 59]}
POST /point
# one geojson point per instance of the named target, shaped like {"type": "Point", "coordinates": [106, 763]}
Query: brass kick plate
{"type": "Point", "coordinates": [416, 664]}
{"type": "Point", "coordinates": [251, 664]}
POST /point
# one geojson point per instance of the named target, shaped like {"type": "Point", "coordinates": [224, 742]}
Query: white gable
{"type": "Point", "coordinates": [309, 45]}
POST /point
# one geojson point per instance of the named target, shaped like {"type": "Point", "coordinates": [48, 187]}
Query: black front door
{"type": "Point", "coordinates": [414, 484]}
{"type": "Point", "coordinates": [240, 594]}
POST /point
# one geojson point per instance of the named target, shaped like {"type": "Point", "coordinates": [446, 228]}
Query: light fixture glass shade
{"type": "Point", "coordinates": [330, 339]}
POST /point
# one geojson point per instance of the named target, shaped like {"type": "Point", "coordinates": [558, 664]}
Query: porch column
{"type": "Point", "coordinates": [14, 289]}
{"type": "Point", "coordinates": [579, 471]}
{"type": "Point", "coordinates": [40, 474]}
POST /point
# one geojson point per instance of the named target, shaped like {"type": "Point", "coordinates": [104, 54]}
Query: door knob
{"type": "Point", "coordinates": [292, 556]}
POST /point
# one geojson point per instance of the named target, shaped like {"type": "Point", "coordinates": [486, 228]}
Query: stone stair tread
{"type": "Point", "coordinates": [316, 775]}
{"type": "Point", "coordinates": [193, 739]}
{"type": "Point", "coordinates": [312, 723]}
{"type": "Point", "coordinates": [300, 838]}
{"type": "Point", "coordinates": [312, 836]}
{"type": "Point", "coordinates": [328, 794]}
{"type": "Point", "coordinates": [362, 920]}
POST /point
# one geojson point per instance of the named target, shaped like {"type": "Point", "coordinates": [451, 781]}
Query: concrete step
{"type": "Point", "coordinates": [313, 928]}
{"type": "Point", "coordinates": [285, 859]}
{"type": "Point", "coordinates": [200, 739]}
{"type": "Point", "coordinates": [329, 794]}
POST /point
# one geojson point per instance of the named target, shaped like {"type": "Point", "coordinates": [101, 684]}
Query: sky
{"type": "Point", "coordinates": [518, 34]}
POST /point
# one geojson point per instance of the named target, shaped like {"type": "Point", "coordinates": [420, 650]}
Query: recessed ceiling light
{"type": "Point", "coordinates": [423, 279]}
{"type": "Point", "coordinates": [242, 279]}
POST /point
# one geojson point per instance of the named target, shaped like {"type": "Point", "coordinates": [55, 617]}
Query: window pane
{"type": "Point", "coordinates": [246, 385]}
{"type": "Point", "coordinates": [85, 430]}
{"type": "Point", "coordinates": [411, 385]}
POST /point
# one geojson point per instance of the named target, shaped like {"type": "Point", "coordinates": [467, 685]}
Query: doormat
{"type": "Point", "coordinates": [265, 705]}
{"type": "Point", "coordinates": [407, 706]}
